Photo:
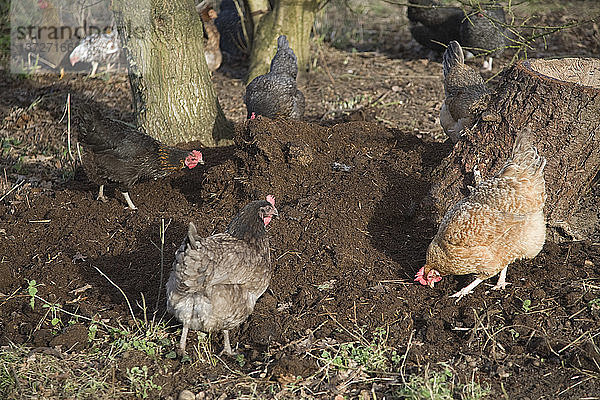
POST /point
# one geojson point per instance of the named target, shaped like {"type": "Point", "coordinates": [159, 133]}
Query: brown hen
{"type": "Point", "coordinates": [115, 152]}
{"type": "Point", "coordinates": [501, 221]}
{"type": "Point", "coordinates": [216, 281]}
{"type": "Point", "coordinates": [212, 52]}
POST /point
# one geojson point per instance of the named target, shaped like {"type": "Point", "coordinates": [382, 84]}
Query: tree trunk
{"type": "Point", "coordinates": [293, 18]}
{"type": "Point", "coordinates": [560, 101]}
{"type": "Point", "coordinates": [173, 94]}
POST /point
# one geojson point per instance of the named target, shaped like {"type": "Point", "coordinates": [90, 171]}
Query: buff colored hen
{"type": "Point", "coordinates": [501, 221]}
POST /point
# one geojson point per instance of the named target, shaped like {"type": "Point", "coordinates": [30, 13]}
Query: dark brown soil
{"type": "Point", "coordinates": [345, 247]}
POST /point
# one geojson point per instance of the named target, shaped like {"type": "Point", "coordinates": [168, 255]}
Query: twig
{"type": "Point", "coordinates": [75, 315]}
{"type": "Point", "coordinates": [354, 109]}
{"type": "Point", "coordinates": [406, 356]}
{"type": "Point", "coordinates": [69, 127]}
{"type": "Point", "coordinates": [162, 231]}
{"type": "Point", "coordinates": [124, 295]}
{"type": "Point", "coordinates": [577, 340]}
{"type": "Point", "coordinates": [12, 189]}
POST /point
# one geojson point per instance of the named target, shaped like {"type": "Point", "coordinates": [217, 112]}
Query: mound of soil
{"type": "Point", "coordinates": [346, 246]}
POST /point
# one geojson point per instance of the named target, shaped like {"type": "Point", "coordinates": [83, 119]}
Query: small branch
{"type": "Point", "coordinates": [20, 183]}
{"type": "Point", "coordinates": [124, 295]}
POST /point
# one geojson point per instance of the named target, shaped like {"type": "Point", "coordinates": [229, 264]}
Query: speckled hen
{"type": "Point", "coordinates": [501, 221]}
{"type": "Point", "coordinates": [276, 93]}
{"type": "Point", "coordinates": [466, 93]}
{"type": "Point", "coordinates": [115, 152]}
{"type": "Point", "coordinates": [95, 49]}
{"type": "Point", "coordinates": [216, 280]}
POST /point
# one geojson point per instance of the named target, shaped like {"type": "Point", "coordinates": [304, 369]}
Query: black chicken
{"type": "Point", "coordinates": [481, 31]}
{"type": "Point", "coordinates": [432, 23]}
{"type": "Point", "coordinates": [233, 44]}
{"type": "Point", "coordinates": [115, 152]}
{"type": "Point", "coordinates": [216, 281]}
{"type": "Point", "coordinates": [276, 93]}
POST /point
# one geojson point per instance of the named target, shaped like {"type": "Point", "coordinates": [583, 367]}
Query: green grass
{"type": "Point", "coordinates": [442, 385]}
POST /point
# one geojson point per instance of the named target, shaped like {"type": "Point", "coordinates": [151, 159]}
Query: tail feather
{"type": "Point", "coordinates": [525, 158]}
{"type": "Point", "coordinates": [453, 56]}
{"type": "Point", "coordinates": [285, 60]}
{"type": "Point", "coordinates": [282, 42]}
{"type": "Point", "coordinates": [192, 235]}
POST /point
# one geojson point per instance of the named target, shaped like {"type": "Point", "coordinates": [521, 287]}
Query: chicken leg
{"type": "Point", "coordinates": [501, 284]}
{"type": "Point", "coordinates": [226, 344]}
{"type": "Point", "coordinates": [183, 340]}
{"type": "Point", "coordinates": [94, 68]}
{"type": "Point", "coordinates": [487, 64]}
{"type": "Point", "coordinates": [128, 200]}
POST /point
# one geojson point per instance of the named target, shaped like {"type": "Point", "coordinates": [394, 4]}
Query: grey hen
{"type": "Point", "coordinates": [483, 32]}
{"type": "Point", "coordinates": [432, 23]}
{"type": "Point", "coordinates": [216, 281]}
{"type": "Point", "coordinates": [466, 93]}
{"type": "Point", "coordinates": [276, 93]}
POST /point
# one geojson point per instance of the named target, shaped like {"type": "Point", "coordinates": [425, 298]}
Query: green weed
{"type": "Point", "coordinates": [140, 381]}
{"type": "Point", "coordinates": [373, 355]}
{"type": "Point", "coordinates": [32, 289]}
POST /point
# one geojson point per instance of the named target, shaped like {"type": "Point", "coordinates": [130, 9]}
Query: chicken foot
{"type": "Point", "coordinates": [101, 196]}
{"type": "Point", "coordinates": [466, 290]}
{"type": "Point", "coordinates": [128, 200]}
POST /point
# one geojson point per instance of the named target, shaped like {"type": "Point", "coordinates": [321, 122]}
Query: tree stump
{"type": "Point", "coordinates": [559, 100]}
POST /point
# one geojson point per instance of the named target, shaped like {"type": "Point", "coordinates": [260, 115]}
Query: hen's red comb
{"type": "Point", "coordinates": [271, 199]}
{"type": "Point", "coordinates": [419, 277]}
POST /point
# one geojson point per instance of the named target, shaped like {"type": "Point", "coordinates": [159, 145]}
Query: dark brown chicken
{"type": "Point", "coordinates": [276, 94]}
{"type": "Point", "coordinates": [484, 32]}
{"type": "Point", "coordinates": [216, 281]}
{"type": "Point", "coordinates": [115, 152]}
{"type": "Point", "coordinates": [432, 24]}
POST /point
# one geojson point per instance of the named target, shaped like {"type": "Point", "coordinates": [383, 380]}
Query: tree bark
{"type": "Point", "coordinates": [173, 94]}
{"type": "Point", "coordinates": [559, 100]}
{"type": "Point", "coordinates": [293, 18]}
